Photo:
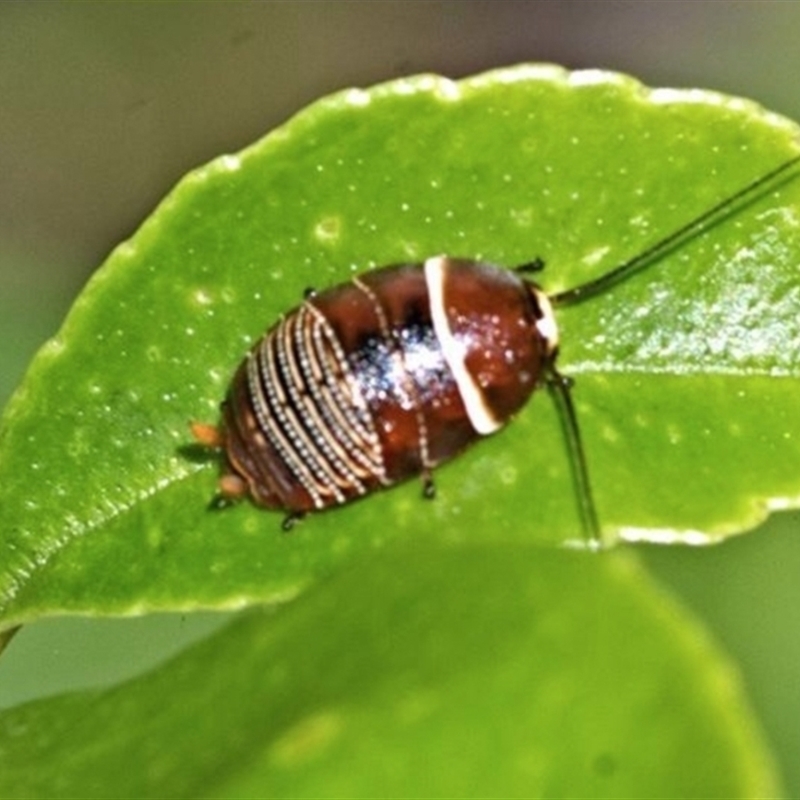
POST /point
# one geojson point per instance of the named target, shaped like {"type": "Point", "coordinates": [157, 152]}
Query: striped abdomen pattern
{"type": "Point", "coordinates": [311, 411]}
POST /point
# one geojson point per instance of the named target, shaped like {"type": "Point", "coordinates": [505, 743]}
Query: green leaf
{"type": "Point", "coordinates": [6, 636]}
{"type": "Point", "coordinates": [102, 508]}
{"type": "Point", "coordinates": [461, 672]}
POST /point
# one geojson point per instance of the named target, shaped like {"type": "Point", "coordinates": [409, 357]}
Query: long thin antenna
{"type": "Point", "coordinates": [561, 389]}
{"type": "Point", "coordinates": [589, 289]}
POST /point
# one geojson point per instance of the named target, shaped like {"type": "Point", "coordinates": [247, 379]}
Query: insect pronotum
{"type": "Point", "coordinates": [400, 369]}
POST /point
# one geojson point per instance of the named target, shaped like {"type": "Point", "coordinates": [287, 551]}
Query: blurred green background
{"type": "Point", "coordinates": [103, 107]}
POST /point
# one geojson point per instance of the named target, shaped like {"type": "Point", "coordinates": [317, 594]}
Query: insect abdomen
{"type": "Point", "coordinates": [296, 427]}
{"type": "Point", "coordinates": [379, 379]}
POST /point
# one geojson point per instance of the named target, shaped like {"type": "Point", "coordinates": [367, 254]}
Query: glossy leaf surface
{"type": "Point", "coordinates": [687, 375]}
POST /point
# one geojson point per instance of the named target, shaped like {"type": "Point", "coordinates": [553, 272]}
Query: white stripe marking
{"type": "Point", "coordinates": [454, 352]}
{"type": "Point", "coordinates": [547, 324]}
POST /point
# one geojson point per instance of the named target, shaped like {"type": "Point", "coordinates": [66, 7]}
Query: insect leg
{"type": "Point", "coordinates": [428, 486]}
{"type": "Point", "coordinates": [291, 519]}
{"type": "Point", "coordinates": [219, 502]}
{"type": "Point", "coordinates": [560, 387]}
{"type": "Point", "coordinates": [537, 265]}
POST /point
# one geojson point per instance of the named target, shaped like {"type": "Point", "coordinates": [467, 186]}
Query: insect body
{"type": "Point", "coordinates": [399, 370]}
{"type": "Point", "coordinates": [380, 379]}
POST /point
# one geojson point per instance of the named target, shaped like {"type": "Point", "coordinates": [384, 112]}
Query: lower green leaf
{"type": "Point", "coordinates": [477, 671]}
